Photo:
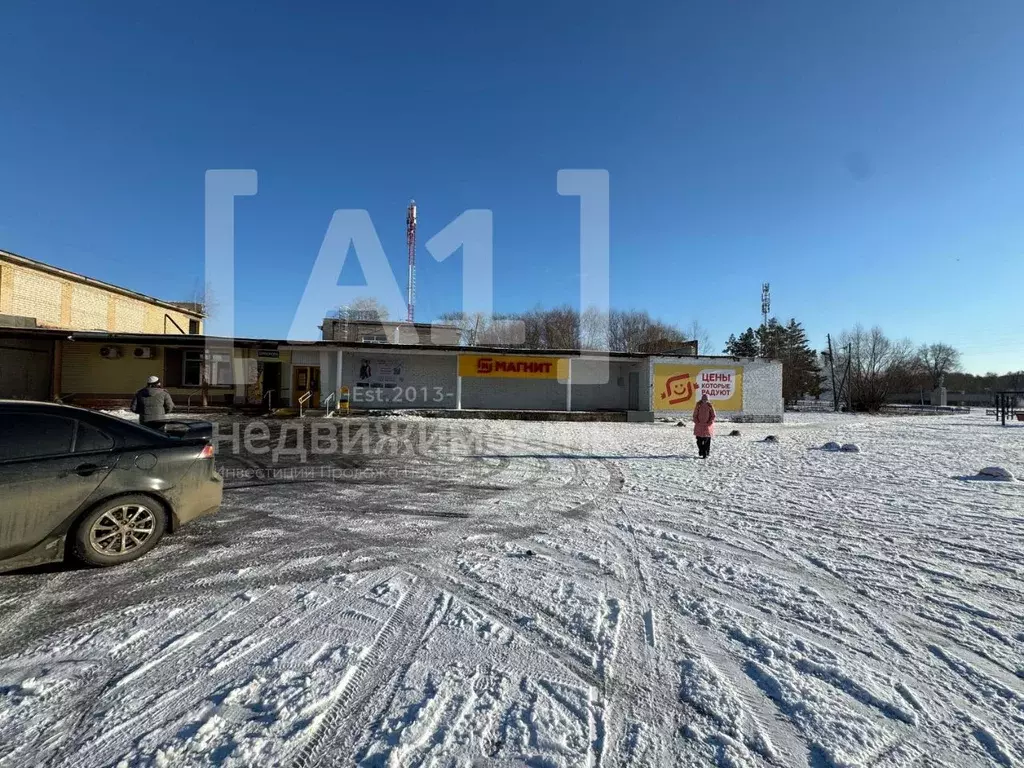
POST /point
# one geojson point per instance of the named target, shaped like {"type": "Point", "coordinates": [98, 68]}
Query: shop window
{"type": "Point", "coordinates": [218, 368]}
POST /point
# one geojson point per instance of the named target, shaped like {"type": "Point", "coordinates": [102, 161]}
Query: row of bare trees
{"type": "Point", "coordinates": [558, 328]}
{"type": "Point", "coordinates": [985, 382]}
{"type": "Point", "coordinates": [868, 366]}
{"type": "Point", "coordinates": [864, 366]}
{"type": "Point", "coordinates": [567, 328]}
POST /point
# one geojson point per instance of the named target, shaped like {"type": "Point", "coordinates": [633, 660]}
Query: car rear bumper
{"type": "Point", "coordinates": [203, 498]}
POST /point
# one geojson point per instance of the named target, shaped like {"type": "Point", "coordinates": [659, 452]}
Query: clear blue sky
{"type": "Point", "coordinates": [867, 159]}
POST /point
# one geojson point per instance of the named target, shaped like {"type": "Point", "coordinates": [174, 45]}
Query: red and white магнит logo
{"type": "Point", "coordinates": [485, 365]}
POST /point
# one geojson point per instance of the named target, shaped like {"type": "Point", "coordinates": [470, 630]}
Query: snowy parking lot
{"type": "Point", "coordinates": [509, 593]}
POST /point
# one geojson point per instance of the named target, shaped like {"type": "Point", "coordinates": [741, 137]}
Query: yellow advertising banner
{"type": "Point", "coordinates": [513, 367]}
{"type": "Point", "coordinates": [679, 387]}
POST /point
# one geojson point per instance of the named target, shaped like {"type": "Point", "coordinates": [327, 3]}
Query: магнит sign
{"type": "Point", "coordinates": [513, 367]}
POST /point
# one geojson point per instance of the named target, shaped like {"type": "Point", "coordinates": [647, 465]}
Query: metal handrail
{"type": "Point", "coordinates": [326, 403]}
{"type": "Point", "coordinates": [266, 396]}
{"type": "Point", "coordinates": [304, 399]}
{"type": "Point", "coordinates": [188, 400]}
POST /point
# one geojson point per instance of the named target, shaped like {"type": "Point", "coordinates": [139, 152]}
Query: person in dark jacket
{"type": "Point", "coordinates": [704, 425]}
{"type": "Point", "coordinates": [152, 402]}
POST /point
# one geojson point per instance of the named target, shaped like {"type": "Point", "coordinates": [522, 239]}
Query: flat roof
{"type": "Point", "coordinates": [198, 340]}
{"type": "Point", "coordinates": [402, 323]}
{"type": "Point", "coordinates": [69, 275]}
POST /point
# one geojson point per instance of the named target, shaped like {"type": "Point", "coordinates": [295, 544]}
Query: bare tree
{"type": "Point", "coordinates": [938, 361]}
{"type": "Point", "coordinates": [478, 329]}
{"type": "Point", "coordinates": [363, 309]}
{"type": "Point", "coordinates": [562, 328]}
{"type": "Point", "coordinates": [467, 323]}
{"type": "Point", "coordinates": [594, 329]}
{"type": "Point", "coordinates": [567, 328]}
{"type": "Point", "coordinates": [697, 332]}
{"type": "Point", "coordinates": [533, 329]}
{"type": "Point", "coordinates": [878, 366]}
{"type": "Point", "coordinates": [203, 299]}
{"type": "Point", "coordinates": [502, 331]}
{"type": "Point", "coordinates": [630, 330]}
{"type": "Point", "coordinates": [204, 302]}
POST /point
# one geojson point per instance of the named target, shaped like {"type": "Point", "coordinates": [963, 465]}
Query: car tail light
{"type": "Point", "coordinates": [207, 452]}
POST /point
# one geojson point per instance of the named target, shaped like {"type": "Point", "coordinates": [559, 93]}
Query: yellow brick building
{"type": "Point", "coordinates": [41, 306]}
{"type": "Point", "coordinates": [57, 298]}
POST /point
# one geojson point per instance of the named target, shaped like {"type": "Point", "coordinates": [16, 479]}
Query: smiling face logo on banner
{"type": "Point", "coordinates": [678, 389]}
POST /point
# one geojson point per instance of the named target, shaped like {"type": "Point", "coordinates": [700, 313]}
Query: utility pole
{"type": "Point", "coordinates": [849, 380]}
{"type": "Point", "coordinates": [832, 365]}
{"type": "Point", "coordinates": [410, 241]}
{"type": "Point", "coordinates": [476, 330]}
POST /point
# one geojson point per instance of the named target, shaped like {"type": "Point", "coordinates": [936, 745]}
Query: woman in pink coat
{"type": "Point", "coordinates": [704, 425]}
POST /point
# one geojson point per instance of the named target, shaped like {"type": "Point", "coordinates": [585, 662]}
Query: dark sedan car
{"type": "Point", "coordinates": [103, 488]}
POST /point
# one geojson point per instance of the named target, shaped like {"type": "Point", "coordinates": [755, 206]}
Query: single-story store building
{"type": "Point", "coordinates": [103, 369]}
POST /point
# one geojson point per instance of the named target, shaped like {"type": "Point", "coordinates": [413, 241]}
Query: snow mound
{"type": "Point", "coordinates": [850, 448]}
{"type": "Point", "coordinates": [734, 433]}
{"type": "Point", "coordinates": [831, 446]}
{"type": "Point", "coordinates": [770, 439]}
{"type": "Point", "coordinates": [996, 473]}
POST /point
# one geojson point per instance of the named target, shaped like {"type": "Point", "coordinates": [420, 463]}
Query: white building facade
{"type": "Point", "coordinates": [387, 377]}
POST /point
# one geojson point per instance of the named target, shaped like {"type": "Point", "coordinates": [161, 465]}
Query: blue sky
{"type": "Point", "coordinates": [866, 159]}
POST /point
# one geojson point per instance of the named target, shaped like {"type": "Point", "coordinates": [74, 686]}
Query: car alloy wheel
{"type": "Point", "coordinates": [122, 529]}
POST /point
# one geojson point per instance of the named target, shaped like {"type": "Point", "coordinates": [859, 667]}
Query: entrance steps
{"type": "Point", "coordinates": [293, 413]}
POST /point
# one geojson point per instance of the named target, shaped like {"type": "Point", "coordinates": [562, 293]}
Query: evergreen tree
{"type": "Point", "coordinates": [801, 374]}
{"type": "Point", "coordinates": [745, 346]}
{"type": "Point", "coordinates": [771, 339]}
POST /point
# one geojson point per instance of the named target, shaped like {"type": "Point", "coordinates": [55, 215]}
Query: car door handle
{"type": "Point", "coordinates": [84, 470]}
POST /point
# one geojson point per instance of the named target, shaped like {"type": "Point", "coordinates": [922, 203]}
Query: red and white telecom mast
{"type": "Point", "coordinates": [410, 237]}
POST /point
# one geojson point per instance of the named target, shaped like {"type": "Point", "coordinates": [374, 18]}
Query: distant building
{"type": "Point", "coordinates": [390, 332]}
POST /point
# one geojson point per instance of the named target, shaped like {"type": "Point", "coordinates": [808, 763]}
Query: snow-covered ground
{"type": "Point", "coordinates": [509, 593]}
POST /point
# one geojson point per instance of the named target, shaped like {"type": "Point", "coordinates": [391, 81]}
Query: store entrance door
{"type": "Point", "coordinates": [306, 378]}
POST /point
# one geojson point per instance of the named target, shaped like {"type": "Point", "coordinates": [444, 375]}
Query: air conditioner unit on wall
{"type": "Point", "coordinates": [110, 353]}
{"type": "Point", "coordinates": [143, 352]}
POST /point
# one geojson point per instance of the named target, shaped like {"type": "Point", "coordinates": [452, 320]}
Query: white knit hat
{"type": "Point", "coordinates": [153, 380]}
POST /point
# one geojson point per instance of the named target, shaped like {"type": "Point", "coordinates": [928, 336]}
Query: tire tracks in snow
{"type": "Point", "coordinates": [332, 735]}
{"type": "Point", "coordinates": [185, 651]}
